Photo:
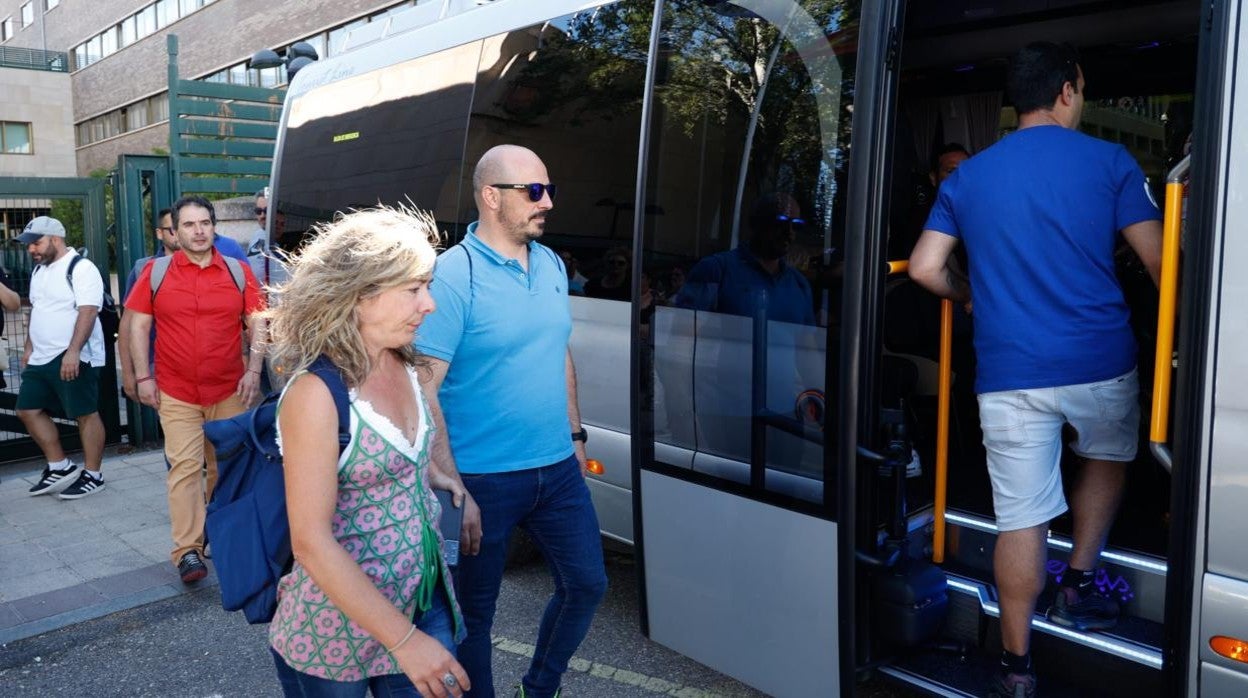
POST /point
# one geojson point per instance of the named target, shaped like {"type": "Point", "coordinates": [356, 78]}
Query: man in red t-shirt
{"type": "Point", "coordinates": [201, 374]}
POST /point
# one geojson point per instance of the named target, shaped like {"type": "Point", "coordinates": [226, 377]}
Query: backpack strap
{"type": "Point", "coordinates": [69, 276]}
{"type": "Point", "coordinates": [236, 272]}
{"type": "Point", "coordinates": [471, 294]}
{"type": "Point", "coordinates": [328, 372]}
{"type": "Point", "coordinates": [160, 267]}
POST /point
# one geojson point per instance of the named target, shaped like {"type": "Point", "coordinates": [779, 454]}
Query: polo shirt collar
{"type": "Point", "coordinates": [479, 245]}
{"type": "Point", "coordinates": [180, 259]}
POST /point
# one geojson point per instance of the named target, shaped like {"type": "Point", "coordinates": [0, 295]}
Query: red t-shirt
{"type": "Point", "coordinates": [199, 319]}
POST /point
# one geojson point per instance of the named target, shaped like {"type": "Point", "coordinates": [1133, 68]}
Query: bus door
{"type": "Point", "coordinates": [748, 255]}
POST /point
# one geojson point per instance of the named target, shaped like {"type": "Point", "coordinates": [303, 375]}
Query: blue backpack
{"type": "Point", "coordinates": [247, 521]}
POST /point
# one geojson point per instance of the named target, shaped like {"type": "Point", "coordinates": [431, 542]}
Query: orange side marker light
{"type": "Point", "coordinates": [1229, 647]}
{"type": "Point", "coordinates": [595, 466]}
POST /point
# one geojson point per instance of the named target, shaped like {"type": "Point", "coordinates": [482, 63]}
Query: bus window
{"type": "Point", "coordinates": [570, 89]}
{"type": "Point", "coordinates": [748, 162]}
{"type": "Point", "coordinates": [392, 135]}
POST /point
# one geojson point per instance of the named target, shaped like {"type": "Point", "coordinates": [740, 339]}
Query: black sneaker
{"type": "Point", "coordinates": [191, 568]}
{"type": "Point", "coordinates": [1093, 611]}
{"type": "Point", "coordinates": [53, 481]}
{"type": "Point", "coordinates": [1007, 685]}
{"type": "Point", "coordinates": [83, 486]}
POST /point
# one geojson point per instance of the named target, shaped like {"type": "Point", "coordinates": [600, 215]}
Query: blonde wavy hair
{"type": "Point", "coordinates": [359, 255]}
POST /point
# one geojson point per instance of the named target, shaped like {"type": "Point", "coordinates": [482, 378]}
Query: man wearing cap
{"type": "Point", "coordinates": [60, 367]}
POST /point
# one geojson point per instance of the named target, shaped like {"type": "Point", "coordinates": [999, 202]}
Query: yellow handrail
{"type": "Point", "coordinates": [1168, 293]}
{"type": "Point", "coordinates": [944, 387]}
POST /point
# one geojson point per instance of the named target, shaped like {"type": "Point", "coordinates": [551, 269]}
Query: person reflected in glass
{"type": "Point", "coordinates": [576, 280]}
{"type": "Point", "coordinates": [614, 280]}
{"type": "Point", "coordinates": [755, 275]}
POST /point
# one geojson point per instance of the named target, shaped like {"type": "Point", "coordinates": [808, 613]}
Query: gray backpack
{"type": "Point", "coordinates": [160, 267]}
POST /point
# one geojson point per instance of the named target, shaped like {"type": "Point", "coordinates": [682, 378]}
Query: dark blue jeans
{"type": "Point", "coordinates": [552, 504]}
{"type": "Point", "coordinates": [437, 623]}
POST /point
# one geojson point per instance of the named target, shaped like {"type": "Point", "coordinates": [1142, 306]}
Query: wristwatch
{"type": "Point", "coordinates": [582, 436]}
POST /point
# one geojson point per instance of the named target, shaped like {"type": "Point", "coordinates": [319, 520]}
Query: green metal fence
{"type": "Point", "coordinates": [33, 59]}
{"type": "Point", "coordinates": [221, 137]}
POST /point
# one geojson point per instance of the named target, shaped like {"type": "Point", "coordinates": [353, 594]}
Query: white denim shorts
{"type": "Point", "coordinates": [1023, 437]}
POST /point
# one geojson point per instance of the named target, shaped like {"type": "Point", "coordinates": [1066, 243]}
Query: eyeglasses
{"type": "Point", "coordinates": [261, 211]}
{"type": "Point", "coordinates": [535, 189]}
{"type": "Point", "coordinates": [165, 229]}
{"type": "Point", "coordinates": [617, 262]}
{"type": "Point", "coordinates": [796, 224]}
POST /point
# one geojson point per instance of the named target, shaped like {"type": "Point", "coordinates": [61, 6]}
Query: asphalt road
{"type": "Point", "coordinates": [188, 646]}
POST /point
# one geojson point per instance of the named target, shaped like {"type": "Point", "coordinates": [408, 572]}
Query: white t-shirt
{"type": "Point", "coordinates": [54, 309]}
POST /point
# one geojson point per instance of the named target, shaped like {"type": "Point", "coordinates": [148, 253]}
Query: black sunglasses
{"type": "Point", "coordinates": [535, 189]}
{"type": "Point", "coordinates": [797, 224]}
{"type": "Point", "coordinates": [261, 211]}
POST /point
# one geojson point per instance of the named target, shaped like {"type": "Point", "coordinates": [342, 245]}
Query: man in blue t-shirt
{"type": "Point", "coordinates": [503, 381]}
{"type": "Point", "coordinates": [1040, 213]}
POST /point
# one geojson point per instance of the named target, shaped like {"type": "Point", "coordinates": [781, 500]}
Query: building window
{"type": "Point", "coordinates": [166, 12]}
{"type": "Point", "coordinates": [28, 14]}
{"type": "Point", "coordinates": [108, 39]}
{"type": "Point", "coordinates": [128, 31]}
{"type": "Point", "coordinates": [15, 138]}
{"type": "Point", "coordinates": [145, 20]}
{"type": "Point", "coordinates": [6, 29]}
{"type": "Point", "coordinates": [51, 4]}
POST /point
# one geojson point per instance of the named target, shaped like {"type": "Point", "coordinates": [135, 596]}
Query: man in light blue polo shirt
{"type": "Point", "coordinates": [503, 389]}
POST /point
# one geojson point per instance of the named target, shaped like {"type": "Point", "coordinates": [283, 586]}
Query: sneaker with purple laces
{"type": "Point", "coordinates": [1087, 612]}
{"type": "Point", "coordinates": [1010, 685]}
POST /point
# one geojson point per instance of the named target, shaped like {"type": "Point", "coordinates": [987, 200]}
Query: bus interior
{"type": "Point", "coordinates": [1139, 63]}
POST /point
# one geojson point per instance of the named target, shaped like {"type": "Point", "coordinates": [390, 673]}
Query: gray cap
{"type": "Point", "coordinates": [39, 227]}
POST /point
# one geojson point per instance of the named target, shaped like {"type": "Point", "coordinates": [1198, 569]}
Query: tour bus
{"type": "Point", "coordinates": [807, 499]}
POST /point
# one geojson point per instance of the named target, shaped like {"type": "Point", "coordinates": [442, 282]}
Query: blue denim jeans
{"type": "Point", "coordinates": [552, 504]}
{"type": "Point", "coordinates": [437, 623]}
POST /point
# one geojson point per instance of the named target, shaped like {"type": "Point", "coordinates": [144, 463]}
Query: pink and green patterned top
{"type": "Point", "coordinates": [386, 518]}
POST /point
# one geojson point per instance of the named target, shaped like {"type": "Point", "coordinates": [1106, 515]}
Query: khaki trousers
{"type": "Point", "coordinates": [188, 451]}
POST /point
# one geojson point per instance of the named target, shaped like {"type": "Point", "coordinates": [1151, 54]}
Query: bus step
{"type": "Point", "coordinates": [1133, 640]}
{"type": "Point", "coordinates": [1137, 580]}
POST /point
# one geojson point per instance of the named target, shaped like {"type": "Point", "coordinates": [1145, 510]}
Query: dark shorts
{"type": "Point", "coordinates": [43, 389]}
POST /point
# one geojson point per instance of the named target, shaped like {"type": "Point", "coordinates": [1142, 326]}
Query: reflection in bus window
{"type": "Point", "coordinates": [749, 160]}
{"type": "Point", "coordinates": [392, 135]}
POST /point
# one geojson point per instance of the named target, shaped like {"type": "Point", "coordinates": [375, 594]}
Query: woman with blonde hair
{"type": "Point", "coordinates": [368, 605]}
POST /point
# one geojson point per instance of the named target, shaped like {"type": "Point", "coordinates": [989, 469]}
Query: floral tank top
{"type": "Point", "coordinates": [386, 519]}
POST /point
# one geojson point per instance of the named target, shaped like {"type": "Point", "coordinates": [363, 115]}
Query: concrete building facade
{"type": "Point", "coordinates": [36, 124]}
{"type": "Point", "coordinates": [118, 59]}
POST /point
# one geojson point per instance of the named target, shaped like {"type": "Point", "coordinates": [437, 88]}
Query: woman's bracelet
{"type": "Point", "coordinates": [406, 637]}
{"type": "Point", "coordinates": [144, 379]}
{"type": "Point", "coordinates": [252, 370]}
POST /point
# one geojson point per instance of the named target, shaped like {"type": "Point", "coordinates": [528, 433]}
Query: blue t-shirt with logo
{"type": "Point", "coordinates": [505, 334]}
{"type": "Point", "coordinates": [1039, 213]}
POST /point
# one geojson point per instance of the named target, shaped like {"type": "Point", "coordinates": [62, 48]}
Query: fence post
{"type": "Point", "coordinates": [175, 120]}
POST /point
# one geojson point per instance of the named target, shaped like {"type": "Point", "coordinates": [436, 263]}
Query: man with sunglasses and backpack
{"type": "Point", "coordinates": [502, 391]}
{"type": "Point", "coordinates": [738, 281]}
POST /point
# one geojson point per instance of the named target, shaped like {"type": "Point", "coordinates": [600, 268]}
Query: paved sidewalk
{"type": "Point", "coordinates": [66, 561]}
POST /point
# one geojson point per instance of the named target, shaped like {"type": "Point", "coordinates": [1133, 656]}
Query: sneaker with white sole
{"type": "Point", "coordinates": [85, 485]}
{"type": "Point", "coordinates": [55, 481]}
